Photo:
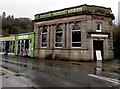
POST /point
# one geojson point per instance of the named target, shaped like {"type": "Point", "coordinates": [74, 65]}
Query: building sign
{"type": "Point", "coordinates": [23, 37]}
{"type": "Point", "coordinates": [7, 38]}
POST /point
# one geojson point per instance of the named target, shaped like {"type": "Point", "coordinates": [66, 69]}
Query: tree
{"type": "Point", "coordinates": [12, 17]}
{"type": "Point", "coordinates": [11, 25]}
{"type": "Point", "coordinates": [4, 15]}
{"type": "Point", "coordinates": [116, 41]}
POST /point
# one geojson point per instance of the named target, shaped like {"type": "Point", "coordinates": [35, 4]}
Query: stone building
{"type": "Point", "coordinates": [74, 33]}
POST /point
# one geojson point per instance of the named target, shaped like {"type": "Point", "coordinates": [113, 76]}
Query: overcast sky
{"type": "Point", "coordinates": [28, 8]}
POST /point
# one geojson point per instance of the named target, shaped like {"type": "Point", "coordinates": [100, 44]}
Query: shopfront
{"type": "Point", "coordinates": [25, 44]}
{"type": "Point", "coordinates": [7, 45]}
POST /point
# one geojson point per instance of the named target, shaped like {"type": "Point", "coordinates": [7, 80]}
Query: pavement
{"type": "Point", "coordinates": [10, 80]}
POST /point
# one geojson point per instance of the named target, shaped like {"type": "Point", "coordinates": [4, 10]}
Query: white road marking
{"type": "Point", "coordinates": [105, 78]}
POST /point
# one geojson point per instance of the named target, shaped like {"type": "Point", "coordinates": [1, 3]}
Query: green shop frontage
{"type": "Point", "coordinates": [24, 44]}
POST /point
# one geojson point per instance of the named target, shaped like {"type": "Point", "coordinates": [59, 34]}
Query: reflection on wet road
{"type": "Point", "coordinates": [63, 74]}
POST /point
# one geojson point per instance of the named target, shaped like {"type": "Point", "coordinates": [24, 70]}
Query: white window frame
{"type": "Point", "coordinates": [100, 27]}
{"type": "Point", "coordinates": [71, 38]}
{"type": "Point", "coordinates": [55, 38]}
{"type": "Point", "coordinates": [41, 37]}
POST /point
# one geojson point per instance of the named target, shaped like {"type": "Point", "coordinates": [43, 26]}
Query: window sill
{"type": "Point", "coordinates": [58, 47]}
{"type": "Point", "coordinates": [75, 47]}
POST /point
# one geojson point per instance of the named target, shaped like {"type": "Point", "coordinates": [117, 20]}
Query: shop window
{"type": "Point", "coordinates": [24, 47]}
{"type": "Point", "coordinates": [10, 47]}
{"type": "Point", "coordinates": [13, 46]}
{"type": "Point", "coordinates": [44, 38]}
{"type": "Point", "coordinates": [98, 27]}
{"type": "Point", "coordinates": [76, 36]}
{"type": "Point", "coordinates": [4, 45]}
{"type": "Point", "coordinates": [58, 37]}
{"type": "Point", "coordinates": [7, 47]}
{"type": "Point", "coordinates": [18, 49]}
{"type": "Point", "coordinates": [1, 46]}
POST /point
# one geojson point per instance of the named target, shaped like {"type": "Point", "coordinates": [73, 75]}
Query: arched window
{"type": "Point", "coordinates": [58, 37]}
{"type": "Point", "coordinates": [76, 36]}
{"type": "Point", "coordinates": [44, 38]}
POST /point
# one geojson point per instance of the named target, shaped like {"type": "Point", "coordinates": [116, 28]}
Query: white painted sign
{"type": "Point", "coordinates": [23, 37]}
{"type": "Point", "coordinates": [98, 35]}
{"type": "Point", "coordinates": [98, 55]}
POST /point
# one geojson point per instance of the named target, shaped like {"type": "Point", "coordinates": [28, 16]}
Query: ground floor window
{"type": "Point", "coordinates": [76, 36]}
{"type": "Point", "coordinates": [44, 38]}
{"type": "Point", "coordinates": [7, 46]}
{"type": "Point", "coordinates": [11, 46]}
{"type": "Point", "coordinates": [4, 44]}
{"type": "Point", "coordinates": [1, 46]}
{"type": "Point", "coordinates": [58, 37]}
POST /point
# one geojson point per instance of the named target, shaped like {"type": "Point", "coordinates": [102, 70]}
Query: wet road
{"type": "Point", "coordinates": [65, 74]}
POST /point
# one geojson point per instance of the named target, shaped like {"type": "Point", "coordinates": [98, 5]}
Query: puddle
{"type": "Point", "coordinates": [6, 77]}
{"type": "Point", "coordinates": [76, 63]}
{"type": "Point", "coordinates": [98, 70]}
{"type": "Point", "coordinates": [5, 67]}
{"type": "Point", "coordinates": [19, 74]}
{"type": "Point", "coordinates": [25, 65]}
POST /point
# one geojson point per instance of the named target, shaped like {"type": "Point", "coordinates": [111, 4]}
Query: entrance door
{"type": "Point", "coordinates": [98, 45]}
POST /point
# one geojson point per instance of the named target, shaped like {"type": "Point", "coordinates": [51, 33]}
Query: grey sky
{"type": "Point", "coordinates": [28, 8]}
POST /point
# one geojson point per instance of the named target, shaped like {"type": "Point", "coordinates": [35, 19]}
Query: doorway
{"type": "Point", "coordinates": [98, 45]}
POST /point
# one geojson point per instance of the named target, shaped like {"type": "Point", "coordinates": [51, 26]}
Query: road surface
{"type": "Point", "coordinates": [63, 74]}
